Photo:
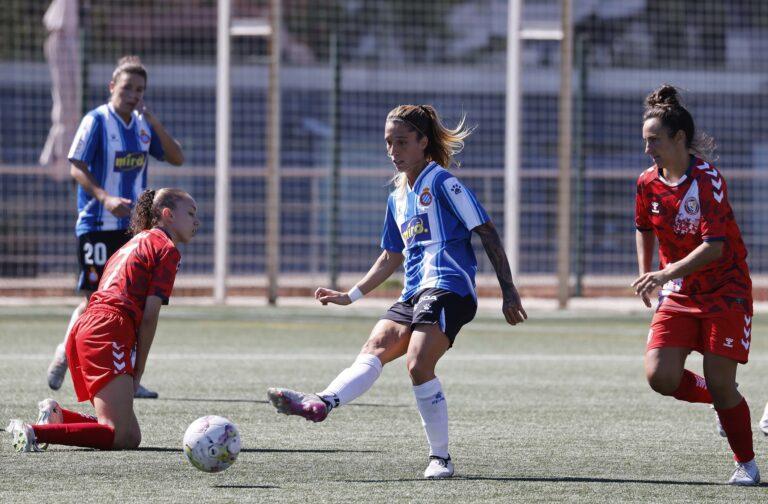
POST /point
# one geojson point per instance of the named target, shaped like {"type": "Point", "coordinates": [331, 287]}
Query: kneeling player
{"type": "Point", "coordinates": [122, 313]}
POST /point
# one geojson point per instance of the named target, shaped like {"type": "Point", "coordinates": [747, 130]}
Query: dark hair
{"type": "Point", "coordinates": [131, 65]}
{"type": "Point", "coordinates": [664, 104]}
{"type": "Point", "coordinates": [149, 207]}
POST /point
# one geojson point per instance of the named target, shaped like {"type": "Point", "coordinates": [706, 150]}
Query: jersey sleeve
{"type": "Point", "coordinates": [155, 145]}
{"type": "Point", "coordinates": [87, 138]}
{"type": "Point", "coordinates": [391, 239]}
{"type": "Point", "coordinates": [715, 209]}
{"type": "Point", "coordinates": [458, 199]}
{"type": "Point", "coordinates": [642, 221]}
{"type": "Point", "coordinates": [164, 274]}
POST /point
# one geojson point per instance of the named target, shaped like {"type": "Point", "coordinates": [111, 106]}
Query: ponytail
{"type": "Point", "coordinates": [149, 207]}
{"type": "Point", "coordinates": [443, 142]}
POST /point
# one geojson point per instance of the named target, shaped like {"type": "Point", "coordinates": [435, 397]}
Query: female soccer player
{"type": "Point", "coordinates": [122, 314]}
{"type": "Point", "coordinates": [705, 302]}
{"type": "Point", "coordinates": [429, 220]}
{"type": "Point", "coordinates": [109, 158]}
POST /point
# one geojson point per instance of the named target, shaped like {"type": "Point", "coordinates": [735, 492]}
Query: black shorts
{"type": "Point", "coordinates": [93, 251]}
{"type": "Point", "coordinates": [437, 307]}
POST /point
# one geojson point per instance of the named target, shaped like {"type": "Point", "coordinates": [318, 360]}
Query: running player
{"type": "Point", "coordinates": [705, 302]}
{"type": "Point", "coordinates": [122, 314]}
{"type": "Point", "coordinates": [109, 162]}
{"type": "Point", "coordinates": [428, 225]}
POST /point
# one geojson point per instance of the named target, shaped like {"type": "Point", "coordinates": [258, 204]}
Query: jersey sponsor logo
{"type": "Point", "coordinates": [128, 161]}
{"type": "Point", "coordinates": [425, 199]}
{"type": "Point", "coordinates": [692, 206]}
{"type": "Point", "coordinates": [144, 136]}
{"type": "Point", "coordinates": [416, 229]}
{"type": "Point", "coordinates": [456, 188]}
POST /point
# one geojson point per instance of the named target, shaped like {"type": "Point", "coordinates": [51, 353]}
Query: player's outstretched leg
{"type": "Point", "coordinates": [22, 436]}
{"type": "Point", "coordinates": [291, 402]}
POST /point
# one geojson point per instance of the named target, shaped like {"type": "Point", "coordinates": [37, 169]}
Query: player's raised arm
{"type": "Point", "coordinates": [512, 307]}
{"type": "Point", "coordinates": [382, 269]}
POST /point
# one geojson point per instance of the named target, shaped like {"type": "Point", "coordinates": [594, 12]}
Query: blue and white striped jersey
{"type": "Point", "coordinates": [116, 155]}
{"type": "Point", "coordinates": [431, 224]}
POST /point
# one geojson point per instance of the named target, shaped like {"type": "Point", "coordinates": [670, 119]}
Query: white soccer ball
{"type": "Point", "coordinates": [212, 443]}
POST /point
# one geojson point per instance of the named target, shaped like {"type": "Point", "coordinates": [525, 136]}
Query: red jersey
{"type": "Point", "coordinates": [684, 214]}
{"type": "Point", "coordinates": [145, 266]}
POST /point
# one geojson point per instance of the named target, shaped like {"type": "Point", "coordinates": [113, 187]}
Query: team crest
{"type": "Point", "coordinates": [425, 198]}
{"type": "Point", "coordinates": [692, 206]}
{"type": "Point", "coordinates": [144, 136]}
{"type": "Point", "coordinates": [655, 207]}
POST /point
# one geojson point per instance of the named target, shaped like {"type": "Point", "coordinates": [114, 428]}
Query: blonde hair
{"type": "Point", "coordinates": [149, 207]}
{"type": "Point", "coordinates": [443, 143]}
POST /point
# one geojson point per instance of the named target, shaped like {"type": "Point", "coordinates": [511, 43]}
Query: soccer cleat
{"type": "Point", "coordinates": [763, 425]}
{"type": "Point", "coordinates": [50, 413]}
{"type": "Point", "coordinates": [439, 468]}
{"type": "Point", "coordinates": [58, 368]}
{"type": "Point", "coordinates": [290, 402]}
{"type": "Point", "coordinates": [23, 436]}
{"type": "Point", "coordinates": [746, 474]}
{"type": "Point", "coordinates": [145, 393]}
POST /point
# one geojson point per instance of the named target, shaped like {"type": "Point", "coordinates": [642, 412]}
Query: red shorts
{"type": "Point", "coordinates": [725, 333]}
{"type": "Point", "coordinates": [99, 348]}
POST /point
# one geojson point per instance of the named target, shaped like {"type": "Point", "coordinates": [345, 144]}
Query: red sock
{"type": "Point", "coordinates": [692, 388]}
{"type": "Point", "coordinates": [738, 427]}
{"type": "Point", "coordinates": [76, 417]}
{"type": "Point", "coordinates": [85, 434]}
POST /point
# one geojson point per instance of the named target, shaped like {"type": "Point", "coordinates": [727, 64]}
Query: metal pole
{"type": "Point", "coordinates": [579, 103]}
{"type": "Point", "coordinates": [512, 140]}
{"type": "Point", "coordinates": [273, 155]}
{"type": "Point", "coordinates": [564, 159]}
{"type": "Point", "coordinates": [333, 234]}
{"type": "Point", "coordinates": [223, 106]}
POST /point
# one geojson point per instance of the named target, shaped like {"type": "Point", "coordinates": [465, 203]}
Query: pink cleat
{"type": "Point", "coordinates": [290, 402]}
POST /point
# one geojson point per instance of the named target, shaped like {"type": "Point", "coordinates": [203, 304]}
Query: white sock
{"type": "Point", "coordinates": [353, 381]}
{"type": "Point", "coordinates": [434, 415]}
{"type": "Point", "coordinates": [61, 349]}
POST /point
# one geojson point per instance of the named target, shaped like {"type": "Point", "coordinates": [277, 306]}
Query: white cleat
{"type": "Point", "coordinates": [58, 368]}
{"type": "Point", "coordinates": [746, 474]}
{"type": "Point", "coordinates": [50, 413]}
{"type": "Point", "coordinates": [144, 393]}
{"type": "Point", "coordinates": [763, 425]}
{"type": "Point", "coordinates": [23, 436]}
{"type": "Point", "coordinates": [439, 468]}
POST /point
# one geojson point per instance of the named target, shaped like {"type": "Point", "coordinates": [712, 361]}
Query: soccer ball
{"type": "Point", "coordinates": [212, 443]}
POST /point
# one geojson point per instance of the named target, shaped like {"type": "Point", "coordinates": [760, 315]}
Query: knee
{"type": "Point", "coordinates": [720, 388]}
{"type": "Point", "coordinates": [419, 371]}
{"type": "Point", "coordinates": [664, 383]}
{"type": "Point", "coordinates": [127, 438]}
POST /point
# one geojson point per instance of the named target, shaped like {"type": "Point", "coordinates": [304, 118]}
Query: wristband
{"type": "Point", "coordinates": [354, 294]}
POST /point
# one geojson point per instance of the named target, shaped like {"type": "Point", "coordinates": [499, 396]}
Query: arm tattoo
{"type": "Point", "coordinates": [495, 250]}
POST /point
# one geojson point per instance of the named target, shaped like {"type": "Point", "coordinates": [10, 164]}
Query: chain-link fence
{"type": "Point", "coordinates": [449, 53]}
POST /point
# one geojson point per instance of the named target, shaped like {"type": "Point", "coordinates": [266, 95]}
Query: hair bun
{"type": "Point", "coordinates": [130, 59]}
{"type": "Point", "coordinates": [666, 95]}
